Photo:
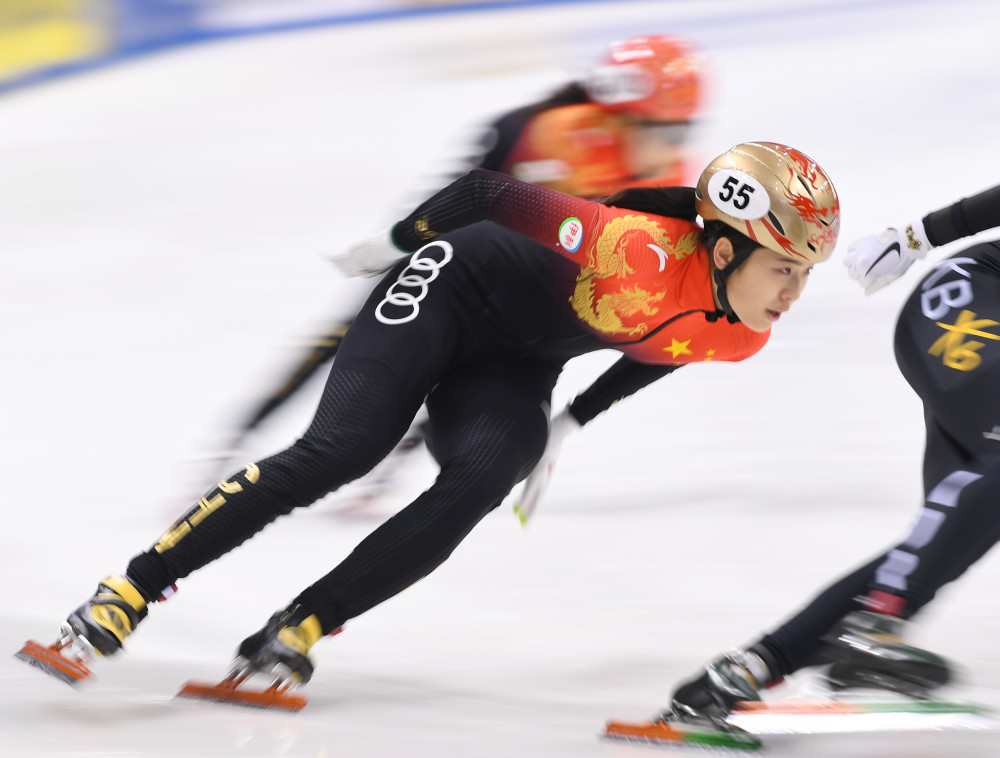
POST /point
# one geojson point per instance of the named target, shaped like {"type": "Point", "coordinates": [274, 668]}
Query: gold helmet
{"type": "Point", "coordinates": [776, 196]}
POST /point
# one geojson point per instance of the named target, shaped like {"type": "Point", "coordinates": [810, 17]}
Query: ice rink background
{"type": "Point", "coordinates": [161, 225]}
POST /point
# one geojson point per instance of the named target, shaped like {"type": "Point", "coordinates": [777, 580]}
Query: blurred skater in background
{"type": "Point", "coordinates": [947, 346]}
{"type": "Point", "coordinates": [507, 283]}
{"type": "Point", "coordinates": [627, 122]}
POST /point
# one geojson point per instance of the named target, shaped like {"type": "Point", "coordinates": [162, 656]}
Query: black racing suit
{"type": "Point", "coordinates": [484, 347]}
{"type": "Point", "coordinates": [947, 345]}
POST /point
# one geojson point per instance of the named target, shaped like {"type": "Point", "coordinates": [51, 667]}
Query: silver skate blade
{"type": "Point", "coordinates": [79, 645]}
{"type": "Point", "coordinates": [283, 678]}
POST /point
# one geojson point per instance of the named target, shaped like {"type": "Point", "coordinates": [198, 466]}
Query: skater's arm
{"type": "Point", "coordinates": [624, 378]}
{"type": "Point", "coordinates": [539, 214]}
{"type": "Point", "coordinates": [968, 216]}
{"type": "Point", "coordinates": [568, 225]}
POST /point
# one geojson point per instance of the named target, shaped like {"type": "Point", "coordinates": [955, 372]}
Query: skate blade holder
{"type": "Point", "coordinates": [236, 689]}
{"type": "Point", "coordinates": [658, 732]}
{"type": "Point", "coordinates": [62, 660]}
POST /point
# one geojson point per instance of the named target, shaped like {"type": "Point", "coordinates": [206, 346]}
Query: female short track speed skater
{"type": "Point", "coordinates": [626, 122]}
{"type": "Point", "coordinates": [508, 281]}
{"type": "Point", "coordinates": [947, 346]}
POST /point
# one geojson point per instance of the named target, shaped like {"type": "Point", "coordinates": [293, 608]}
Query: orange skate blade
{"type": "Point", "coordinates": [50, 660]}
{"type": "Point", "coordinates": [655, 731]}
{"type": "Point", "coordinates": [229, 691]}
{"type": "Point", "coordinates": [660, 733]}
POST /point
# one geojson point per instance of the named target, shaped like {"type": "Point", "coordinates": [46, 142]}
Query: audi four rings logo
{"type": "Point", "coordinates": [412, 285]}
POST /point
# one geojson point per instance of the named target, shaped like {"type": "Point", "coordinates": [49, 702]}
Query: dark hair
{"type": "Point", "coordinates": [675, 202]}
{"type": "Point", "coordinates": [570, 94]}
{"type": "Point", "coordinates": [678, 202]}
{"type": "Point", "coordinates": [742, 245]}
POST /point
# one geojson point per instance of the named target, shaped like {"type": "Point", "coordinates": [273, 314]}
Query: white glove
{"type": "Point", "coordinates": [369, 257]}
{"type": "Point", "coordinates": [539, 478]}
{"type": "Point", "coordinates": [877, 259]}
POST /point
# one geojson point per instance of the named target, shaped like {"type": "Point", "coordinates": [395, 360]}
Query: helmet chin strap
{"type": "Point", "coordinates": [720, 276]}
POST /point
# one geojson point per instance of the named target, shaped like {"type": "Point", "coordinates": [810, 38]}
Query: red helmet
{"type": "Point", "coordinates": [657, 78]}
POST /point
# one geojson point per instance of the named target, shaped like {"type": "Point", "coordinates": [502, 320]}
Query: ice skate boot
{"type": "Point", "coordinates": [279, 652]}
{"type": "Point", "coordinates": [736, 676]}
{"type": "Point", "coordinates": [869, 653]}
{"type": "Point", "coordinates": [698, 714]}
{"type": "Point", "coordinates": [97, 628]}
{"type": "Point", "coordinates": [282, 646]}
{"type": "Point", "coordinates": [102, 623]}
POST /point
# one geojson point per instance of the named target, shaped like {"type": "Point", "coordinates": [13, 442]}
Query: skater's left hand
{"type": "Point", "coordinates": [539, 478]}
{"type": "Point", "coordinates": [369, 257]}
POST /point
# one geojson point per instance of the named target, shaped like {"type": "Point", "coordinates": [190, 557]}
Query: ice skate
{"type": "Point", "coordinates": [877, 682]}
{"type": "Point", "coordinates": [698, 715]}
{"type": "Point", "coordinates": [869, 653]}
{"type": "Point", "coordinates": [97, 628]}
{"type": "Point", "coordinates": [736, 676]}
{"type": "Point", "coordinates": [282, 646]}
{"type": "Point", "coordinates": [269, 664]}
{"type": "Point", "coordinates": [112, 614]}
{"type": "Point", "coordinates": [723, 708]}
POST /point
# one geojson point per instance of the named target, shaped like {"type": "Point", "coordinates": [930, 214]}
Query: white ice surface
{"type": "Point", "coordinates": [161, 225]}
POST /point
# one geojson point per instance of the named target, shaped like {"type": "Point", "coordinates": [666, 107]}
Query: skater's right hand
{"type": "Point", "coordinates": [878, 259]}
{"type": "Point", "coordinates": [539, 478]}
{"type": "Point", "coordinates": [369, 257]}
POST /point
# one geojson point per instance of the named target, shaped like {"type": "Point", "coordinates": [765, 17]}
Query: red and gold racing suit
{"type": "Point", "coordinates": [642, 283]}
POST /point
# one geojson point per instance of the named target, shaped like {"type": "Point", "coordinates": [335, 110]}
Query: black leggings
{"type": "Point", "coordinates": [956, 372]}
{"type": "Point", "coordinates": [488, 423]}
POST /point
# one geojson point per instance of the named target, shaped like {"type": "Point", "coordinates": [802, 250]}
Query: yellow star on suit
{"type": "Point", "coordinates": [678, 348]}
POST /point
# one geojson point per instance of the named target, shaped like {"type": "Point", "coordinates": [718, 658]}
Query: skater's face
{"type": "Point", "coordinates": [764, 286]}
